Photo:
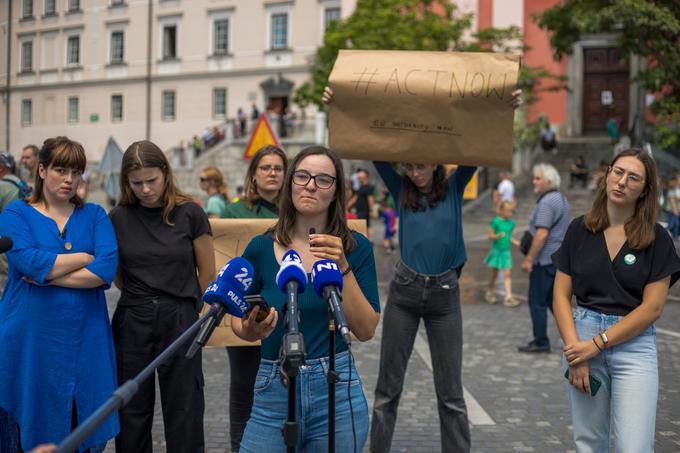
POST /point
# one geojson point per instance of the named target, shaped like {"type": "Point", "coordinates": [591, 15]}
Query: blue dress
{"type": "Point", "coordinates": [56, 343]}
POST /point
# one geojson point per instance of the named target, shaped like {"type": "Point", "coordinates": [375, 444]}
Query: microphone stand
{"type": "Point", "coordinates": [123, 394]}
{"type": "Point", "coordinates": [332, 378]}
{"type": "Point", "coordinates": [292, 357]}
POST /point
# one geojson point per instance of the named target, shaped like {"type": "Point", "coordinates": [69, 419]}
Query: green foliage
{"type": "Point", "coordinates": [648, 28]}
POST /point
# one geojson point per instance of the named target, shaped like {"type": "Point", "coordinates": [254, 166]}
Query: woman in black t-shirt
{"type": "Point", "coordinates": [165, 263]}
{"type": "Point", "coordinates": [619, 264]}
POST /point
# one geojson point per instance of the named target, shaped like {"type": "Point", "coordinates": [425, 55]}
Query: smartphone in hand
{"type": "Point", "coordinates": [595, 383]}
{"type": "Point", "coordinates": [254, 300]}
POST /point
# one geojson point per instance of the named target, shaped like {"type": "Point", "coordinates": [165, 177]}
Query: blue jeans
{"type": "Point", "coordinates": [626, 401]}
{"type": "Point", "coordinates": [270, 409]}
{"type": "Point", "coordinates": [541, 281]}
{"type": "Point", "coordinates": [435, 299]}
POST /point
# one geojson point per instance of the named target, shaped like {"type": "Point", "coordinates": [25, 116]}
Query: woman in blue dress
{"type": "Point", "coordinates": [58, 361]}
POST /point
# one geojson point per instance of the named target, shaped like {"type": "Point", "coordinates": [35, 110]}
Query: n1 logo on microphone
{"type": "Point", "coordinates": [326, 266]}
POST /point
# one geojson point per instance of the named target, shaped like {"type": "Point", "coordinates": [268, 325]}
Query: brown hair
{"type": "Point", "coordinates": [249, 186]}
{"type": "Point", "coordinates": [58, 152]}
{"type": "Point", "coordinates": [411, 195]}
{"type": "Point", "coordinates": [215, 175]}
{"type": "Point", "coordinates": [336, 221]}
{"type": "Point", "coordinates": [144, 154]}
{"type": "Point", "coordinates": [640, 227]}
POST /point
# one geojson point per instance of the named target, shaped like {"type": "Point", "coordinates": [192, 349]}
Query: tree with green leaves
{"type": "Point", "coordinates": [648, 28]}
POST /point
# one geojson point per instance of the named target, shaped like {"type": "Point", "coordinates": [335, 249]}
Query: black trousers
{"type": "Point", "coordinates": [244, 362]}
{"type": "Point", "coordinates": [140, 333]}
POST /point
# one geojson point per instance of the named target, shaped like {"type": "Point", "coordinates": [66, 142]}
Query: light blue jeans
{"type": "Point", "coordinates": [626, 403]}
{"type": "Point", "coordinates": [270, 409]}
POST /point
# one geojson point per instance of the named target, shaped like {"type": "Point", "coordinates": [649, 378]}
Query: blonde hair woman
{"type": "Point", "coordinates": [213, 183]}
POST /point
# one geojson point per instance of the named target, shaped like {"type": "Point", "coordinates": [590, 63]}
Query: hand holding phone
{"type": "Point", "coordinates": [595, 383]}
{"type": "Point", "coordinates": [255, 300]}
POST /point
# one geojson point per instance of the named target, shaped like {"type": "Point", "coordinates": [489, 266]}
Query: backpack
{"type": "Point", "coordinates": [25, 190]}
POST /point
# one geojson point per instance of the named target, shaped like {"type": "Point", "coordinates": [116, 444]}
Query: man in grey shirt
{"type": "Point", "coordinates": [548, 224]}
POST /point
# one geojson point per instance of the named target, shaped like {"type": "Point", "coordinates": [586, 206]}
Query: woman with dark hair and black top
{"type": "Point", "coordinates": [262, 186]}
{"type": "Point", "coordinates": [425, 285]}
{"type": "Point", "coordinates": [166, 262]}
{"type": "Point", "coordinates": [619, 263]}
{"type": "Point", "coordinates": [312, 197]}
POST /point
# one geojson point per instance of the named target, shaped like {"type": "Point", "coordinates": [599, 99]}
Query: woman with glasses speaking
{"type": "Point", "coordinates": [312, 198]}
{"type": "Point", "coordinates": [262, 186]}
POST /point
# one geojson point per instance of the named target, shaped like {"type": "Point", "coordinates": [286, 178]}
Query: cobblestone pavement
{"type": "Point", "coordinates": [517, 402]}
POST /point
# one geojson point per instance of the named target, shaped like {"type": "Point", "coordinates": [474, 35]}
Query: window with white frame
{"type": "Point", "coordinates": [72, 109]}
{"type": "Point", "coordinates": [279, 30]}
{"type": "Point", "coordinates": [219, 103]}
{"type": "Point", "coordinates": [73, 50]}
{"type": "Point", "coordinates": [169, 41]}
{"type": "Point", "coordinates": [73, 6]}
{"type": "Point", "coordinates": [330, 14]}
{"type": "Point", "coordinates": [117, 46]}
{"type": "Point", "coordinates": [117, 108]}
{"type": "Point", "coordinates": [50, 7]}
{"type": "Point", "coordinates": [221, 36]}
{"type": "Point", "coordinates": [168, 105]}
{"type": "Point", "coordinates": [26, 112]}
{"type": "Point", "coordinates": [27, 9]}
{"type": "Point", "coordinates": [27, 56]}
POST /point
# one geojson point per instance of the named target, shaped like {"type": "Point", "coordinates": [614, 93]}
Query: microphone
{"type": "Point", "coordinates": [327, 282]}
{"type": "Point", "coordinates": [227, 293]}
{"type": "Point", "coordinates": [5, 244]}
{"type": "Point", "coordinates": [291, 280]}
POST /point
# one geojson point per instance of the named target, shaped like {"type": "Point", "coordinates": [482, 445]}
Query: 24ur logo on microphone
{"type": "Point", "coordinates": [244, 279]}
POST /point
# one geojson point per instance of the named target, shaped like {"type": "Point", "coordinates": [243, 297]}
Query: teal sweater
{"type": "Point", "coordinates": [313, 309]}
{"type": "Point", "coordinates": [430, 240]}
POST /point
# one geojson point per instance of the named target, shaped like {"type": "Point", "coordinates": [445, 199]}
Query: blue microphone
{"type": "Point", "coordinates": [327, 282]}
{"type": "Point", "coordinates": [227, 292]}
{"type": "Point", "coordinates": [292, 280]}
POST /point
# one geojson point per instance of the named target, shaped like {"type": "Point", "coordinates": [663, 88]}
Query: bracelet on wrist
{"type": "Point", "coordinates": [347, 271]}
{"type": "Point", "coordinates": [597, 345]}
{"type": "Point", "coordinates": [605, 340]}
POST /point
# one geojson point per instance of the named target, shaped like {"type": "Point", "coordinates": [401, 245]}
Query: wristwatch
{"type": "Point", "coordinates": [605, 340]}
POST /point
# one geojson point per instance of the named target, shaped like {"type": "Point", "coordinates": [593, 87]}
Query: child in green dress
{"type": "Point", "coordinates": [500, 257]}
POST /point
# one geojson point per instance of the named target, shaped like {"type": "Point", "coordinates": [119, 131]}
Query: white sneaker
{"type": "Point", "coordinates": [490, 297]}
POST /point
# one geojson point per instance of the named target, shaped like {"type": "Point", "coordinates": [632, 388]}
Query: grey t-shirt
{"type": "Point", "coordinates": [9, 191]}
{"type": "Point", "coordinates": [551, 212]}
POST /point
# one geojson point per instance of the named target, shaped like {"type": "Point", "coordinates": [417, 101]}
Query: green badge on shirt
{"type": "Point", "coordinates": [629, 259]}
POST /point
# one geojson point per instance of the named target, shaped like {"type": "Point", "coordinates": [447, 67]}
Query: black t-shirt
{"type": "Point", "coordinates": [361, 206]}
{"type": "Point", "coordinates": [613, 287]}
{"type": "Point", "coordinates": [157, 259]}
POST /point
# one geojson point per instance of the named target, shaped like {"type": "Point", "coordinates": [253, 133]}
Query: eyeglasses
{"type": "Point", "coordinates": [322, 180]}
{"type": "Point", "coordinates": [411, 168]}
{"type": "Point", "coordinates": [268, 168]}
{"type": "Point", "coordinates": [202, 179]}
{"type": "Point", "coordinates": [631, 179]}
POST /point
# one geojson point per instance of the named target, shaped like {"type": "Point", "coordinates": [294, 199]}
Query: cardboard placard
{"type": "Point", "coordinates": [423, 107]}
{"type": "Point", "coordinates": [230, 239]}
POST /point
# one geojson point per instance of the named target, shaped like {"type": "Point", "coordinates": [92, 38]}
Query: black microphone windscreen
{"type": "Point", "coordinates": [312, 230]}
{"type": "Point", "coordinates": [5, 244]}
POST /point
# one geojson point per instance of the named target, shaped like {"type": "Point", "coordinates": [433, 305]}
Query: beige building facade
{"type": "Point", "coordinates": [158, 69]}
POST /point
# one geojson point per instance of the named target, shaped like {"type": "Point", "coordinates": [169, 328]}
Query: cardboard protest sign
{"type": "Point", "coordinates": [230, 239]}
{"type": "Point", "coordinates": [423, 107]}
